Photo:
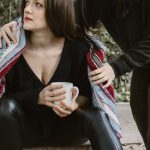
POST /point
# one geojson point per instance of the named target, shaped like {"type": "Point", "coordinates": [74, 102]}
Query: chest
{"type": "Point", "coordinates": [43, 66]}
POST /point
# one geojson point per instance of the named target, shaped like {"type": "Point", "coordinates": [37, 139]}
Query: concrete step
{"type": "Point", "coordinates": [130, 133]}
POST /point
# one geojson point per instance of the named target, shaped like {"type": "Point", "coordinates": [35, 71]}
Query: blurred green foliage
{"type": "Point", "coordinates": [8, 10]}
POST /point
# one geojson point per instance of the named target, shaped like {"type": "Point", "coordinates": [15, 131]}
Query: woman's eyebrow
{"type": "Point", "coordinates": [40, 1]}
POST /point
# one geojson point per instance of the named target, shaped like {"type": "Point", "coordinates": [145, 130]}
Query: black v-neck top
{"type": "Point", "coordinates": [23, 85]}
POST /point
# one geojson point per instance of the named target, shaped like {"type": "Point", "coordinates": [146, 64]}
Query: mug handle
{"type": "Point", "coordinates": [77, 92]}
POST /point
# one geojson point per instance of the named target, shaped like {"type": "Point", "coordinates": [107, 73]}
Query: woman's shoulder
{"type": "Point", "coordinates": [79, 45]}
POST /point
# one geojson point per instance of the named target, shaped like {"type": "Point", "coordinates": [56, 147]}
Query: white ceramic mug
{"type": "Point", "coordinates": [69, 87]}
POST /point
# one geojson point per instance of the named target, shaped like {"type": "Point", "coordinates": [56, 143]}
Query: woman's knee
{"type": "Point", "coordinates": [93, 115]}
{"type": "Point", "coordinates": [10, 127]}
{"type": "Point", "coordinates": [9, 108]}
{"type": "Point", "coordinates": [97, 125]}
{"type": "Point", "coordinates": [93, 118]}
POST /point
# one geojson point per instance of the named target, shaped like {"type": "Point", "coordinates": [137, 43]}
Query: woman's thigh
{"type": "Point", "coordinates": [35, 129]}
{"type": "Point", "coordinates": [91, 123]}
{"type": "Point", "coordinates": [48, 129]}
{"type": "Point", "coordinates": [11, 124]}
{"type": "Point", "coordinates": [67, 131]}
{"type": "Point", "coordinates": [45, 128]}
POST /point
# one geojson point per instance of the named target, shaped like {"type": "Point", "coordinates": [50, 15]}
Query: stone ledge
{"type": "Point", "coordinates": [130, 133]}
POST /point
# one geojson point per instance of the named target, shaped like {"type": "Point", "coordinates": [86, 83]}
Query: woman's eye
{"type": "Point", "coordinates": [38, 5]}
{"type": "Point", "coordinates": [26, 3]}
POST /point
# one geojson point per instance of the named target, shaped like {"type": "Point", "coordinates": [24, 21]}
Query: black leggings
{"type": "Point", "coordinates": [140, 102]}
{"type": "Point", "coordinates": [19, 128]}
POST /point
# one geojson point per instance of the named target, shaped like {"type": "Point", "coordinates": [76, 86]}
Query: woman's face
{"type": "Point", "coordinates": [34, 15]}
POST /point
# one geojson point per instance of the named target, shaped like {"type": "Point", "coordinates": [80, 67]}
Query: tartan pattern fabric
{"type": "Point", "coordinates": [2, 85]}
{"type": "Point", "coordinates": [10, 55]}
{"type": "Point", "coordinates": [102, 98]}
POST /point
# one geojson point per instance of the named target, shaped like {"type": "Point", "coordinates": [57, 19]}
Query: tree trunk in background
{"type": "Point", "coordinates": [8, 10]}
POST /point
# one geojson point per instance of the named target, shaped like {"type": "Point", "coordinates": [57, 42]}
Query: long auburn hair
{"type": "Point", "coordinates": [60, 17]}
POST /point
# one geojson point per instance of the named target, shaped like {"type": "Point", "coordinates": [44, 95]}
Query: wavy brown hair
{"type": "Point", "coordinates": [60, 17]}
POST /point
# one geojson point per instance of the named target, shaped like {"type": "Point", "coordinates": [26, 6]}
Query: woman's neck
{"type": "Point", "coordinates": [45, 40]}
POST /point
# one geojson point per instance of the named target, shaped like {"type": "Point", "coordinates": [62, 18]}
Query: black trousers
{"type": "Point", "coordinates": [140, 102]}
{"type": "Point", "coordinates": [24, 129]}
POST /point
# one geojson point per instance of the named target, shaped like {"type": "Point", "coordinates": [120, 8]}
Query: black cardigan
{"type": "Point", "coordinates": [131, 32]}
{"type": "Point", "coordinates": [23, 85]}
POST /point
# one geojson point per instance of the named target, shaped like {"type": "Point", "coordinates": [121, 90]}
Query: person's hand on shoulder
{"type": "Point", "coordinates": [6, 33]}
{"type": "Point", "coordinates": [105, 74]}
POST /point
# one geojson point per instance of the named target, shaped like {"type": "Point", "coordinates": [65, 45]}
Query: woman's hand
{"type": "Point", "coordinates": [6, 32]}
{"type": "Point", "coordinates": [63, 109]}
{"type": "Point", "coordinates": [105, 74]}
{"type": "Point", "coordinates": [50, 94]}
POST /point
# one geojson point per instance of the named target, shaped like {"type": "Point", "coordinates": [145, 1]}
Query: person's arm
{"type": "Point", "coordinates": [137, 56]}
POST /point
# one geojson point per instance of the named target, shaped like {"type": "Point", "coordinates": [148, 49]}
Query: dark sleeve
{"type": "Point", "coordinates": [136, 56]}
{"type": "Point", "coordinates": [121, 65]}
{"type": "Point", "coordinates": [80, 73]}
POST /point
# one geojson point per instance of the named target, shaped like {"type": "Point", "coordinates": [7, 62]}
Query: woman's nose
{"type": "Point", "coordinates": [28, 8]}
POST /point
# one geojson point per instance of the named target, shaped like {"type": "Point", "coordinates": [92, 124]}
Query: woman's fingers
{"type": "Point", "coordinates": [56, 98]}
{"type": "Point", "coordinates": [10, 34]}
{"type": "Point", "coordinates": [70, 107]}
{"type": "Point", "coordinates": [4, 36]}
{"type": "Point", "coordinates": [107, 84]}
{"type": "Point", "coordinates": [6, 32]}
{"type": "Point", "coordinates": [49, 104]}
{"type": "Point", "coordinates": [96, 71]}
{"type": "Point", "coordinates": [99, 81]}
{"type": "Point", "coordinates": [9, 29]}
{"type": "Point", "coordinates": [54, 86]}
{"type": "Point", "coordinates": [61, 110]}
{"type": "Point", "coordinates": [54, 92]}
{"type": "Point", "coordinates": [61, 115]}
{"type": "Point", "coordinates": [105, 74]}
{"type": "Point", "coordinates": [55, 95]}
{"type": "Point", "coordinates": [97, 77]}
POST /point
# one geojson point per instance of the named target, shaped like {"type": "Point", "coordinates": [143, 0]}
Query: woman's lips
{"type": "Point", "coordinates": [27, 19]}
